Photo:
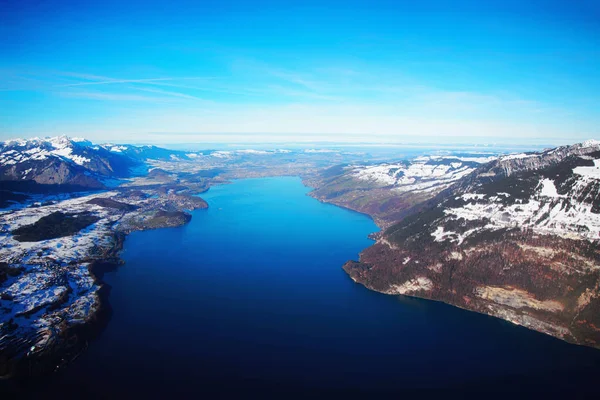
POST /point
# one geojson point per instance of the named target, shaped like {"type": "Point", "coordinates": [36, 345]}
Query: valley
{"type": "Point", "coordinates": [512, 236]}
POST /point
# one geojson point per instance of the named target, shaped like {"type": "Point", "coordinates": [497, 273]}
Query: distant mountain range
{"type": "Point", "coordinates": [73, 161]}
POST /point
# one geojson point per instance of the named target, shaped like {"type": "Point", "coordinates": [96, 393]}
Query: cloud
{"type": "Point", "coordinates": [170, 93]}
{"type": "Point", "coordinates": [343, 123]}
{"type": "Point", "coordinates": [333, 103]}
{"type": "Point", "coordinates": [113, 91]}
{"type": "Point", "coordinates": [114, 96]}
{"type": "Point", "coordinates": [115, 81]}
{"type": "Point", "coordinates": [298, 79]}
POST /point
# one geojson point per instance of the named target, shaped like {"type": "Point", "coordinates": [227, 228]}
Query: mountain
{"type": "Point", "coordinates": [147, 152]}
{"type": "Point", "coordinates": [73, 161]}
{"type": "Point", "coordinates": [517, 238]}
{"type": "Point", "coordinates": [60, 160]}
{"type": "Point", "coordinates": [385, 191]}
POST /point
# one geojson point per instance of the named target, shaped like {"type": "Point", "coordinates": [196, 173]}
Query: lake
{"type": "Point", "coordinates": [250, 298]}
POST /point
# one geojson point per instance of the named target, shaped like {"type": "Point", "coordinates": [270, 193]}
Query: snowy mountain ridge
{"type": "Point", "coordinates": [73, 161]}
{"type": "Point", "coordinates": [20, 150]}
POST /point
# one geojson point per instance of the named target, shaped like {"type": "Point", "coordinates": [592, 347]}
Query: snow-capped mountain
{"type": "Point", "coordinates": [60, 160]}
{"type": "Point", "coordinates": [73, 161]}
{"type": "Point", "coordinates": [518, 238]}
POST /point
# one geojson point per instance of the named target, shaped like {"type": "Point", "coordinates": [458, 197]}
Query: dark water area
{"type": "Point", "coordinates": [249, 299]}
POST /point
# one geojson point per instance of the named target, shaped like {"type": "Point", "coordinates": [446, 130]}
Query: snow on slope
{"type": "Point", "coordinates": [570, 215]}
{"type": "Point", "coordinates": [425, 173]}
{"type": "Point", "coordinates": [39, 149]}
{"type": "Point", "coordinates": [80, 151]}
{"type": "Point", "coordinates": [589, 172]}
{"type": "Point", "coordinates": [61, 160]}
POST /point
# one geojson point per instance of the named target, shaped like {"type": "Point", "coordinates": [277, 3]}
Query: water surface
{"type": "Point", "coordinates": [250, 297]}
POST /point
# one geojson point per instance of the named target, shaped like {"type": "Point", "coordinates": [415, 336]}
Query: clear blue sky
{"type": "Point", "coordinates": [193, 71]}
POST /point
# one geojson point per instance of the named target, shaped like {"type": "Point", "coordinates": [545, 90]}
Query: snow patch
{"type": "Point", "coordinates": [472, 196]}
{"type": "Point", "coordinates": [589, 172]}
{"type": "Point", "coordinates": [517, 156]}
{"type": "Point", "coordinates": [118, 149]}
{"type": "Point", "coordinates": [548, 188]}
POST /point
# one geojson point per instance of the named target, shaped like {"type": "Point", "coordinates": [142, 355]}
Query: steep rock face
{"type": "Point", "coordinates": [517, 238]}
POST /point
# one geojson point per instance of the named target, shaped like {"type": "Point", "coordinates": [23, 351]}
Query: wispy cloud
{"type": "Point", "coordinates": [257, 97]}
{"type": "Point", "coordinates": [287, 92]}
{"type": "Point", "coordinates": [115, 97]}
{"type": "Point", "coordinates": [217, 88]}
{"type": "Point", "coordinates": [115, 81]}
{"type": "Point", "coordinates": [112, 89]}
{"type": "Point", "coordinates": [170, 93]}
{"type": "Point", "coordinates": [297, 79]}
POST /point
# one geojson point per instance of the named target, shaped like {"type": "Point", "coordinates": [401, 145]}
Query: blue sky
{"type": "Point", "coordinates": [150, 71]}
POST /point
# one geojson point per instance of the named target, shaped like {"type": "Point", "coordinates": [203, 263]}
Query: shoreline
{"type": "Point", "coordinates": [75, 338]}
{"type": "Point", "coordinates": [499, 312]}
{"type": "Point", "coordinates": [111, 260]}
{"type": "Point", "coordinates": [90, 331]}
{"type": "Point", "coordinates": [69, 341]}
{"type": "Point", "coordinates": [471, 310]}
{"type": "Point", "coordinates": [371, 217]}
{"type": "Point", "coordinates": [45, 363]}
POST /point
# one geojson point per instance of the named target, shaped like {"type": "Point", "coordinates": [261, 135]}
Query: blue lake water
{"type": "Point", "coordinates": [250, 297]}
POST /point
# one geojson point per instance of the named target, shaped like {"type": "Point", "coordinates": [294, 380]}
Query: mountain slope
{"type": "Point", "coordinates": [517, 238]}
{"type": "Point", "coordinates": [386, 191]}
